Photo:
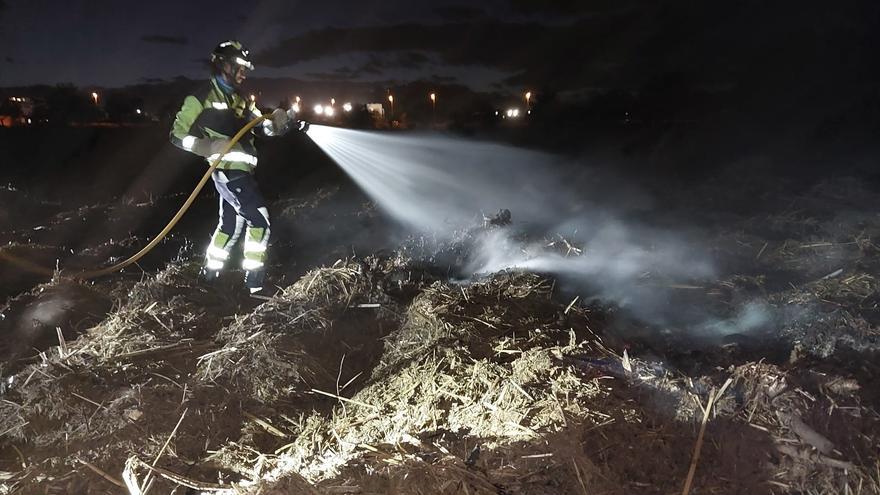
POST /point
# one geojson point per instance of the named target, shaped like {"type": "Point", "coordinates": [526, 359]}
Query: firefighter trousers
{"type": "Point", "coordinates": [242, 211]}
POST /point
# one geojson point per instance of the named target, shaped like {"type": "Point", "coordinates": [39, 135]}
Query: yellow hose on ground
{"type": "Point", "coordinates": [161, 235]}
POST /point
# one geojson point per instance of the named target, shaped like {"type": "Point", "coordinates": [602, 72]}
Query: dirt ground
{"type": "Point", "coordinates": [375, 372]}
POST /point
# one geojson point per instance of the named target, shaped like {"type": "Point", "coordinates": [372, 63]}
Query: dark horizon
{"type": "Point", "coordinates": [504, 46]}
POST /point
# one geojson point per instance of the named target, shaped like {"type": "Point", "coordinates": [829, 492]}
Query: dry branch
{"type": "Point", "coordinates": [699, 445]}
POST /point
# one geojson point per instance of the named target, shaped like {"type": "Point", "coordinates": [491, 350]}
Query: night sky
{"type": "Point", "coordinates": [114, 43]}
{"type": "Point", "coordinates": [498, 45]}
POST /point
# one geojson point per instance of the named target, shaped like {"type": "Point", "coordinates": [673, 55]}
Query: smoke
{"type": "Point", "coordinates": [570, 221]}
{"type": "Point", "coordinates": [751, 318]}
{"type": "Point", "coordinates": [633, 267]}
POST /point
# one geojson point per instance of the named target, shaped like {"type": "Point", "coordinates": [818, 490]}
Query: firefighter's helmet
{"type": "Point", "coordinates": [231, 52]}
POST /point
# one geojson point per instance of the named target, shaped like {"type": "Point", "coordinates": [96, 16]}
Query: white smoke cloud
{"type": "Point", "coordinates": [440, 184]}
{"type": "Point", "coordinates": [750, 318]}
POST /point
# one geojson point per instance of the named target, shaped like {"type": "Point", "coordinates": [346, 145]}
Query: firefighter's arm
{"type": "Point", "coordinates": [270, 126]}
{"type": "Point", "coordinates": [281, 122]}
{"type": "Point", "coordinates": [181, 131]}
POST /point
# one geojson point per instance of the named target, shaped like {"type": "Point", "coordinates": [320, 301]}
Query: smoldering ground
{"type": "Point", "coordinates": [586, 227]}
{"type": "Point", "coordinates": [409, 347]}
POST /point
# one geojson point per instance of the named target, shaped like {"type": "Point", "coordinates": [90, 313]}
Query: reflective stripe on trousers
{"type": "Point", "coordinates": [242, 208]}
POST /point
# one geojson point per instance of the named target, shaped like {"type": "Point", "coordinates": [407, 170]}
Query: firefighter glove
{"type": "Point", "coordinates": [208, 147]}
{"type": "Point", "coordinates": [280, 121]}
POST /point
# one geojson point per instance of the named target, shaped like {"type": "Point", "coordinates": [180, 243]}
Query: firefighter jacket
{"type": "Point", "coordinates": [214, 114]}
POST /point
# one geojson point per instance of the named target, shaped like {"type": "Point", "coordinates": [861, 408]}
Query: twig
{"type": "Point", "coordinates": [832, 274]}
{"type": "Point", "coordinates": [699, 446]}
{"type": "Point", "coordinates": [293, 319]}
{"type": "Point", "coordinates": [20, 456]}
{"type": "Point", "coordinates": [536, 456]}
{"type": "Point", "coordinates": [625, 362]}
{"type": "Point", "coordinates": [339, 397]}
{"type": "Point", "coordinates": [166, 378]}
{"type": "Point", "coordinates": [571, 304]}
{"type": "Point", "coordinates": [100, 472]}
{"type": "Point", "coordinates": [520, 427]}
{"type": "Point", "coordinates": [761, 251]}
{"type": "Point", "coordinates": [266, 425]}
{"type": "Point", "coordinates": [723, 389]}
{"type": "Point", "coordinates": [15, 428]}
{"type": "Point", "coordinates": [143, 352]}
{"type": "Point", "coordinates": [62, 344]}
{"type": "Point", "coordinates": [144, 487]}
{"type": "Point", "coordinates": [521, 390]}
{"type": "Point", "coordinates": [577, 471]}
{"type": "Point", "coordinates": [90, 401]}
{"type": "Point", "coordinates": [160, 322]}
{"type": "Point", "coordinates": [182, 480]}
{"type": "Point", "coordinates": [355, 377]}
{"type": "Point", "coordinates": [339, 377]}
{"type": "Point", "coordinates": [214, 353]}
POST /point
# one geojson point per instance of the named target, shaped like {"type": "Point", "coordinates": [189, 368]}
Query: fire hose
{"type": "Point", "coordinates": [27, 265]}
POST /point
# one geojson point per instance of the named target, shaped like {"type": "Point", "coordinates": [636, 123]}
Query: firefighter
{"type": "Point", "coordinates": [204, 126]}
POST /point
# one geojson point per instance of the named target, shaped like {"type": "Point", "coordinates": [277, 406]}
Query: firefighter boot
{"type": "Point", "coordinates": [208, 275]}
{"type": "Point", "coordinates": [254, 279]}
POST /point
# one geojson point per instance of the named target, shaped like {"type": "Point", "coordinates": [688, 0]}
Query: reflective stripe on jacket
{"type": "Point", "coordinates": [211, 113]}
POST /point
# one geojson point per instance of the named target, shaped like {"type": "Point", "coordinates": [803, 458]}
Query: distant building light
{"type": "Point", "coordinates": [376, 108]}
{"type": "Point", "coordinates": [138, 111]}
{"type": "Point", "coordinates": [347, 107]}
{"type": "Point", "coordinates": [29, 121]}
{"type": "Point", "coordinates": [497, 112]}
{"type": "Point", "coordinates": [328, 111]}
{"type": "Point", "coordinates": [509, 112]}
{"type": "Point", "coordinates": [319, 109]}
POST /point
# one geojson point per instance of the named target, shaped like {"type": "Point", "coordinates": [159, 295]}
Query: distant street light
{"type": "Point", "coordinates": [528, 98]}
{"type": "Point", "coordinates": [391, 100]}
{"type": "Point", "coordinates": [296, 98]}
{"type": "Point", "coordinates": [433, 107]}
{"type": "Point", "coordinates": [95, 97]}
{"type": "Point", "coordinates": [347, 107]}
{"type": "Point", "coordinates": [332, 101]}
{"type": "Point", "coordinates": [319, 109]}
{"type": "Point", "coordinates": [253, 97]}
